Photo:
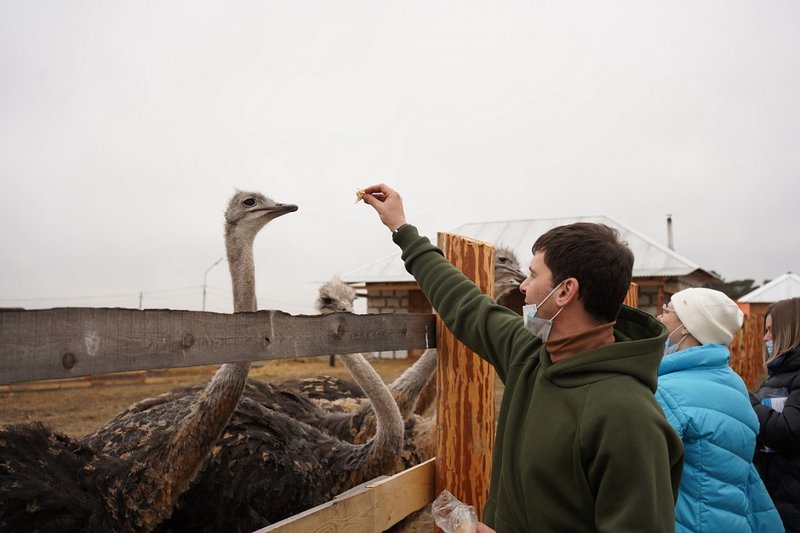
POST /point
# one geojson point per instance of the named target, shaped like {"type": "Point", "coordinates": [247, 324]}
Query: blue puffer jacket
{"type": "Point", "coordinates": [708, 405]}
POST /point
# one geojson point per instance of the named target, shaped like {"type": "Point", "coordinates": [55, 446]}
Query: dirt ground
{"type": "Point", "coordinates": [79, 410]}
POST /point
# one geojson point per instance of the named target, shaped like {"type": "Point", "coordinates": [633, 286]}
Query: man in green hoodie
{"type": "Point", "coordinates": [581, 442]}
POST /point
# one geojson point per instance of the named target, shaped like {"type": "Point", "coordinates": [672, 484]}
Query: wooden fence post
{"type": "Point", "coordinates": [747, 351]}
{"type": "Point", "coordinates": [632, 298]}
{"type": "Point", "coordinates": [465, 404]}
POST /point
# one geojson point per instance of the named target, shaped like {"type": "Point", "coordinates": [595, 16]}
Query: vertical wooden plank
{"type": "Point", "coordinates": [632, 298]}
{"type": "Point", "coordinates": [465, 405]}
{"type": "Point", "coordinates": [747, 351]}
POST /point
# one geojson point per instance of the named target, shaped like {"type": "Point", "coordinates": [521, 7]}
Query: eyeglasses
{"type": "Point", "coordinates": [666, 309]}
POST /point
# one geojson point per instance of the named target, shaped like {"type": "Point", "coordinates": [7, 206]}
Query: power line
{"type": "Point", "coordinates": [98, 296]}
{"type": "Point", "coordinates": [161, 294]}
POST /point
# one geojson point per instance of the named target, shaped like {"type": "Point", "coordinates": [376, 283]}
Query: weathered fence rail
{"type": "Point", "coordinates": [375, 505]}
{"type": "Point", "coordinates": [71, 342]}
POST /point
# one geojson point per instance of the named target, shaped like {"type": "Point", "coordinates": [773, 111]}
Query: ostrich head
{"type": "Point", "coordinates": [508, 273]}
{"type": "Point", "coordinates": [507, 278]}
{"type": "Point", "coordinates": [335, 296]}
{"type": "Point", "coordinates": [248, 212]}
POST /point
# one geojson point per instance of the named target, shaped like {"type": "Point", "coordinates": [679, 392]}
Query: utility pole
{"type": "Point", "coordinates": [670, 244]}
{"type": "Point", "coordinates": [204, 280]}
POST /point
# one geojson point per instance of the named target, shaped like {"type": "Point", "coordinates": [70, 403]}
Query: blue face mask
{"type": "Point", "coordinates": [537, 325]}
{"type": "Point", "coordinates": [672, 348]}
{"type": "Point", "coordinates": [769, 347]}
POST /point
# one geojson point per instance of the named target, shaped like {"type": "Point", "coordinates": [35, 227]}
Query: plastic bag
{"type": "Point", "coordinates": [452, 515]}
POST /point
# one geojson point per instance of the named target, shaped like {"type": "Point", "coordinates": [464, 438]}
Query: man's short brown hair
{"type": "Point", "coordinates": [595, 256]}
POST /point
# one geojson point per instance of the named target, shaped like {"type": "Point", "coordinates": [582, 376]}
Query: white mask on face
{"type": "Point", "coordinates": [768, 345]}
{"type": "Point", "coordinates": [537, 325]}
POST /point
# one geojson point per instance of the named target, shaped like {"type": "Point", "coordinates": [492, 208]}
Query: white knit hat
{"type": "Point", "coordinates": [710, 316]}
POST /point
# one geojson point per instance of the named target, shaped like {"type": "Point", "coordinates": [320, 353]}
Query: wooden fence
{"type": "Point", "coordinates": [747, 351]}
{"type": "Point", "coordinates": [69, 343]}
{"type": "Point", "coordinates": [56, 344]}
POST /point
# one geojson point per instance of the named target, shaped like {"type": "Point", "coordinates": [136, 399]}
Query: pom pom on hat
{"type": "Point", "coordinates": [709, 315]}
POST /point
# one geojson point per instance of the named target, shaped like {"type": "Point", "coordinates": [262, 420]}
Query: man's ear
{"type": "Point", "coordinates": [568, 292]}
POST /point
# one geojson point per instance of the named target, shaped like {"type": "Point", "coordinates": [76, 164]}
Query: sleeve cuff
{"type": "Point", "coordinates": [404, 235]}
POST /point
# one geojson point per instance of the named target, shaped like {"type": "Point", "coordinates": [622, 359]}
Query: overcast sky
{"type": "Point", "coordinates": [126, 126]}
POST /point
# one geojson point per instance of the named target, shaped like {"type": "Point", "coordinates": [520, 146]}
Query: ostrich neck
{"type": "Point", "coordinates": [243, 274]}
{"type": "Point", "coordinates": [175, 469]}
{"type": "Point", "coordinates": [407, 388]}
{"type": "Point", "coordinates": [389, 433]}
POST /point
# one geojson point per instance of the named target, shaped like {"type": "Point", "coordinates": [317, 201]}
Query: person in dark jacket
{"type": "Point", "coordinates": [777, 405]}
{"type": "Point", "coordinates": [581, 442]}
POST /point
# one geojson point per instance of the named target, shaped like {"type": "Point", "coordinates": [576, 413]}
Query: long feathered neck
{"type": "Point", "coordinates": [175, 468]}
{"type": "Point", "coordinates": [243, 271]}
{"type": "Point", "coordinates": [389, 433]}
{"type": "Point", "coordinates": [407, 388]}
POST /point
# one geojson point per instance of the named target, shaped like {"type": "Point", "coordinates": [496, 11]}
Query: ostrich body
{"type": "Point", "coordinates": [128, 475]}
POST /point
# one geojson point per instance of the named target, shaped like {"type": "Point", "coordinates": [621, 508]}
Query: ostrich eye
{"type": "Point", "coordinates": [503, 259]}
{"type": "Point", "coordinates": [327, 301]}
{"type": "Point", "coordinates": [249, 202]}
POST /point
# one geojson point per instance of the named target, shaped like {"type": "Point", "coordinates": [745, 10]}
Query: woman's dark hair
{"type": "Point", "coordinates": [594, 255]}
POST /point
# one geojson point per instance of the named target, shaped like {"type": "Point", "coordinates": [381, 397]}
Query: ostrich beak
{"type": "Point", "coordinates": [274, 211]}
{"type": "Point", "coordinates": [282, 209]}
{"type": "Point", "coordinates": [513, 276]}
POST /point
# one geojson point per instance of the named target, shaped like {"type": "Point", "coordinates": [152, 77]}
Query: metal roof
{"type": "Point", "coordinates": [780, 288]}
{"type": "Point", "coordinates": [650, 258]}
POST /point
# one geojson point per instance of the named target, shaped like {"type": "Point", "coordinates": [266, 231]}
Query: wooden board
{"type": "Point", "coordinates": [71, 342]}
{"type": "Point", "coordinates": [465, 406]}
{"type": "Point", "coordinates": [370, 507]}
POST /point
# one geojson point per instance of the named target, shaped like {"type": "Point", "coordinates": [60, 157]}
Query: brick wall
{"type": "Point", "coordinates": [388, 301]}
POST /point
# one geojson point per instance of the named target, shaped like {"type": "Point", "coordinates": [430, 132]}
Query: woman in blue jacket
{"type": "Point", "coordinates": [708, 405]}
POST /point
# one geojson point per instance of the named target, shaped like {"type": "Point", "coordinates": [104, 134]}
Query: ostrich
{"type": "Point", "coordinates": [354, 419]}
{"type": "Point", "coordinates": [278, 457]}
{"type": "Point", "coordinates": [49, 482]}
{"type": "Point", "coordinates": [350, 417]}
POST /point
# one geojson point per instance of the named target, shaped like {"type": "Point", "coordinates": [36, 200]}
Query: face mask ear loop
{"type": "Point", "coordinates": [549, 294]}
{"type": "Point", "coordinates": [671, 333]}
{"type": "Point", "coordinates": [682, 339]}
{"type": "Point", "coordinates": [557, 313]}
{"type": "Point", "coordinates": [672, 348]}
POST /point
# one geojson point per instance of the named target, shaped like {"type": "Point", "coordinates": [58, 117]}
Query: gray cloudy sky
{"type": "Point", "coordinates": [125, 127]}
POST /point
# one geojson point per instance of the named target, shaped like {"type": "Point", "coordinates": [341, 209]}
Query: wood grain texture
{"type": "Point", "coordinates": [632, 297]}
{"type": "Point", "coordinates": [371, 507]}
{"type": "Point", "coordinates": [70, 342]}
{"type": "Point", "coordinates": [465, 406]}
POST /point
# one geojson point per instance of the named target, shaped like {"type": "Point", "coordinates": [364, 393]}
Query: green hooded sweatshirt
{"type": "Point", "coordinates": [581, 445]}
